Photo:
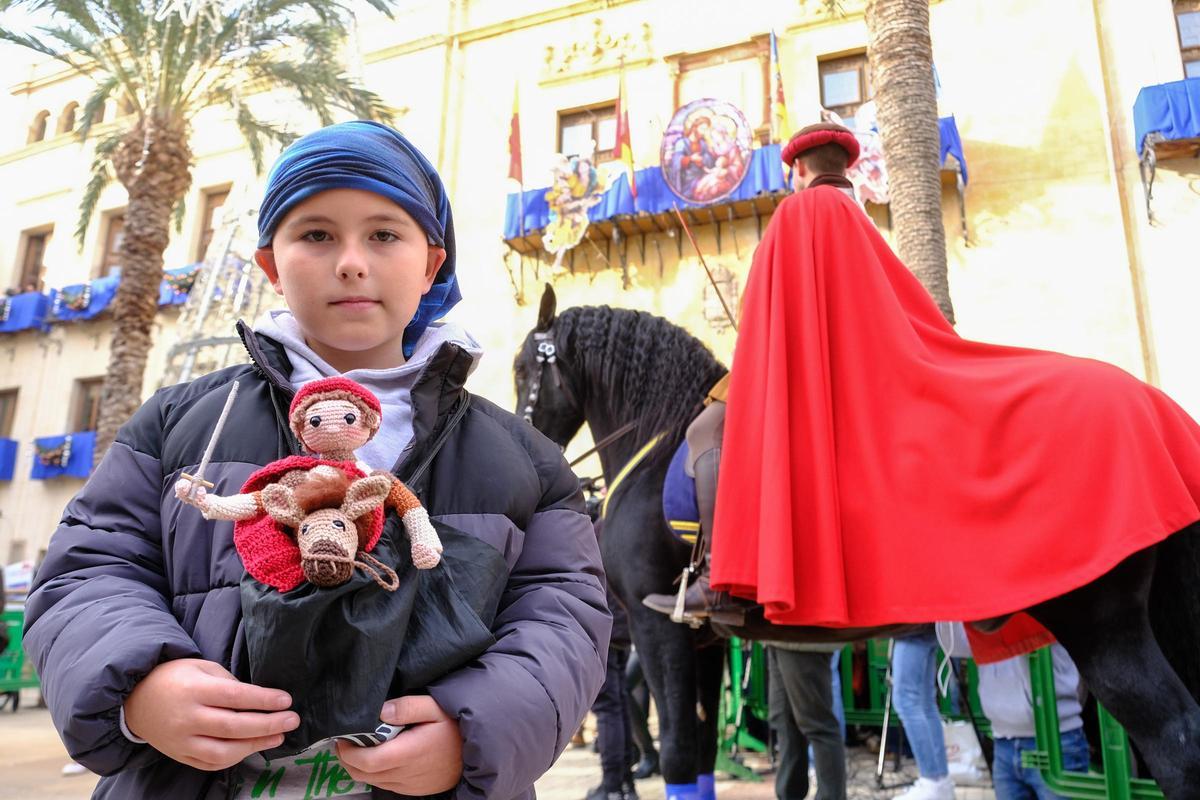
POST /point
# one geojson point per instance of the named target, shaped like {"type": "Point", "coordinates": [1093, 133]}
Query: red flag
{"type": "Point", "coordinates": [623, 149]}
{"type": "Point", "coordinates": [514, 142]}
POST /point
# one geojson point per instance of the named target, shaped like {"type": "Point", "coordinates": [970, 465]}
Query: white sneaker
{"type": "Point", "coordinates": [926, 789]}
{"type": "Point", "coordinates": [73, 768]}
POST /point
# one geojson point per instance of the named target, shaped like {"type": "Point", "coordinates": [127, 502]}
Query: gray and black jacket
{"type": "Point", "coordinates": [131, 581]}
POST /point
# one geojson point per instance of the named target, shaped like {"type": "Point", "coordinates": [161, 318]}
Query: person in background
{"type": "Point", "coordinates": [1006, 694]}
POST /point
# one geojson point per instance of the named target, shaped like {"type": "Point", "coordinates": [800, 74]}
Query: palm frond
{"type": "Point", "coordinates": [100, 178]}
{"type": "Point", "coordinates": [256, 133]}
{"type": "Point", "coordinates": [179, 212]}
{"type": "Point", "coordinates": [95, 105]}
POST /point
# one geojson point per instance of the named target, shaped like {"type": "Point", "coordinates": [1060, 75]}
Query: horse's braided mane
{"type": "Point", "coordinates": [649, 369]}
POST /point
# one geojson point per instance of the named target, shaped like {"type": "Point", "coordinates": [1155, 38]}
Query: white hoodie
{"type": "Point", "coordinates": [392, 386]}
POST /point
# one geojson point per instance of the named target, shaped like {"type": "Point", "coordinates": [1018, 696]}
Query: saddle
{"type": "Point", "coordinates": [680, 509]}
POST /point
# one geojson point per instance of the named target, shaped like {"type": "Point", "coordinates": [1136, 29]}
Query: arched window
{"type": "Point", "coordinates": [124, 106]}
{"type": "Point", "coordinates": [66, 120]}
{"type": "Point", "coordinates": [37, 131]}
{"type": "Point", "coordinates": [100, 114]}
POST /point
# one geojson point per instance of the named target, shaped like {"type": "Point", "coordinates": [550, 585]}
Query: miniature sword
{"type": "Point", "coordinates": [198, 478]}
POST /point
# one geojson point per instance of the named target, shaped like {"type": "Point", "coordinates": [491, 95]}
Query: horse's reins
{"type": "Point", "coordinates": [605, 442]}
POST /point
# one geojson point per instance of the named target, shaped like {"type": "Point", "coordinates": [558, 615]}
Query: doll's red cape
{"type": "Point", "coordinates": [269, 553]}
{"type": "Point", "coordinates": [877, 468]}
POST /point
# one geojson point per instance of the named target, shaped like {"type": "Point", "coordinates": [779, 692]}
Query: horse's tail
{"type": "Point", "coordinates": [1175, 604]}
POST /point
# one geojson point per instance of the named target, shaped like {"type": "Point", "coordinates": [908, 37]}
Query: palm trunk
{"type": "Point", "coordinates": [154, 164]}
{"type": "Point", "coordinates": [901, 55]}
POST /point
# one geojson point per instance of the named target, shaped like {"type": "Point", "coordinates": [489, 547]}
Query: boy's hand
{"type": "Point", "coordinates": [196, 712]}
{"type": "Point", "coordinates": [426, 758]}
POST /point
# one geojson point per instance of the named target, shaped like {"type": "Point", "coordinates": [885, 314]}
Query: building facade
{"type": "Point", "coordinates": [1052, 248]}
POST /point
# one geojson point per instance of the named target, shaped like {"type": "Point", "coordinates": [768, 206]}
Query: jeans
{"type": "Point", "coordinates": [801, 712]}
{"type": "Point", "coordinates": [839, 702]}
{"type": "Point", "coordinates": [1014, 782]}
{"type": "Point", "coordinates": [913, 666]}
{"type": "Point", "coordinates": [616, 746]}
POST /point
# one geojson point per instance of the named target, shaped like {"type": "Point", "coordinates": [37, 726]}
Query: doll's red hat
{"type": "Point", "coordinates": [334, 385]}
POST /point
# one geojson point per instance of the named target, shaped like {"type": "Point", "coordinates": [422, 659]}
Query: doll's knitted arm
{"type": "Point", "coordinates": [234, 507]}
{"type": "Point", "coordinates": [426, 544]}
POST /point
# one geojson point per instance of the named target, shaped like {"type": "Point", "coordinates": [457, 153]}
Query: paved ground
{"type": "Point", "coordinates": [32, 757]}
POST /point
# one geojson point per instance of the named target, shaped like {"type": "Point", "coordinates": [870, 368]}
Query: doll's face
{"type": "Point", "coordinates": [332, 426]}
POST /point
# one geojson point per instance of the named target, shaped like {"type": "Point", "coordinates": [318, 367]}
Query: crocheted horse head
{"type": "Point", "coordinates": [330, 514]}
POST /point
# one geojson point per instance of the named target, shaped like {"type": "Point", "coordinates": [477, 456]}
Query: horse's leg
{"type": "Point", "coordinates": [668, 662]}
{"type": "Point", "coordinates": [710, 668]}
{"type": "Point", "coordinates": [1105, 627]}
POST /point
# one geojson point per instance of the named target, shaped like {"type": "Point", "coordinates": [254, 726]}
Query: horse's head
{"type": "Point", "coordinates": [546, 397]}
{"type": "Point", "coordinates": [330, 514]}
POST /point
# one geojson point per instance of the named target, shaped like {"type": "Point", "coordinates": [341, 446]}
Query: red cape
{"type": "Point", "coordinates": [877, 468]}
{"type": "Point", "coordinates": [270, 555]}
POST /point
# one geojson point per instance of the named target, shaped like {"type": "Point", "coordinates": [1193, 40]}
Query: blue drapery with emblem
{"type": "Point", "coordinates": [24, 311]}
{"type": "Point", "coordinates": [79, 459]}
{"type": "Point", "coordinates": [764, 174]}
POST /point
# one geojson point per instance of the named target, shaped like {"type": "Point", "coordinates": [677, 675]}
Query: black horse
{"type": "Point", "coordinates": [617, 368]}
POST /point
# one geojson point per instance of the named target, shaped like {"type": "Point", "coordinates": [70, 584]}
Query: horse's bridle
{"type": "Point", "coordinates": [547, 355]}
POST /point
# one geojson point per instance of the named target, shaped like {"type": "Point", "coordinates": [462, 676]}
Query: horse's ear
{"type": "Point", "coordinates": [546, 310]}
{"type": "Point", "coordinates": [366, 494]}
{"type": "Point", "coordinates": [280, 504]}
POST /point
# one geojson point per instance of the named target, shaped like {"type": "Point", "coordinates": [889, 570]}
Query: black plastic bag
{"type": "Point", "coordinates": [341, 652]}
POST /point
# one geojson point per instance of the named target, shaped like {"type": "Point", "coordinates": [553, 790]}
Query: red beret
{"type": "Point", "coordinates": [816, 135]}
{"type": "Point", "coordinates": [338, 384]}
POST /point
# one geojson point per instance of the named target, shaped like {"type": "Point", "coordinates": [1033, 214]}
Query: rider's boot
{"type": "Point", "coordinates": [700, 604]}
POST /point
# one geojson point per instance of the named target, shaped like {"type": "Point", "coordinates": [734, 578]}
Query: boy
{"type": "Point", "coordinates": [135, 622]}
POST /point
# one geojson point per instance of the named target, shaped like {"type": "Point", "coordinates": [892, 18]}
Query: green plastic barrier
{"type": "Point", "coordinates": [16, 672]}
{"type": "Point", "coordinates": [1115, 783]}
{"type": "Point", "coordinates": [743, 694]}
{"type": "Point", "coordinates": [872, 713]}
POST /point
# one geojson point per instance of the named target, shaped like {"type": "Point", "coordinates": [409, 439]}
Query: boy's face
{"type": "Point", "coordinates": [352, 266]}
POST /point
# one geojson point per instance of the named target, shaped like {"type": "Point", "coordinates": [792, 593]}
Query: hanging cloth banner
{"type": "Point", "coordinates": [706, 150]}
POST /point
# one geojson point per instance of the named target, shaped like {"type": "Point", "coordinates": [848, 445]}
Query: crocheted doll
{"type": "Point", "coordinates": [332, 505]}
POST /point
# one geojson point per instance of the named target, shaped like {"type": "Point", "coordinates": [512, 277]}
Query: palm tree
{"type": "Point", "coordinates": [163, 68]}
{"type": "Point", "coordinates": [901, 56]}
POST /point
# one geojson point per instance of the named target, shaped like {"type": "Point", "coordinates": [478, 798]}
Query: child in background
{"type": "Point", "coordinates": [1006, 694]}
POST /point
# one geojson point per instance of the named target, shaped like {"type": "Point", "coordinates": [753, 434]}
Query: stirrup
{"type": "Point", "coordinates": [677, 614]}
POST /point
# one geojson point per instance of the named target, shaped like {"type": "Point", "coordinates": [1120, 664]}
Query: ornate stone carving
{"type": "Point", "coordinates": [812, 10]}
{"type": "Point", "coordinates": [599, 51]}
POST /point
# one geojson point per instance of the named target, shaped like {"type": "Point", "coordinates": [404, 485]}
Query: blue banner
{"type": "Point", "coordinates": [951, 144]}
{"type": "Point", "coordinates": [177, 284]}
{"type": "Point", "coordinates": [764, 175]}
{"type": "Point", "coordinates": [83, 300]}
{"type": "Point", "coordinates": [1172, 109]}
{"type": "Point", "coordinates": [75, 449]}
{"type": "Point", "coordinates": [8, 458]}
{"type": "Point", "coordinates": [23, 311]}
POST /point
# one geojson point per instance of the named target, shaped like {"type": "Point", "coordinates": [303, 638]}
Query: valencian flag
{"type": "Point", "coordinates": [622, 149]}
{"type": "Point", "coordinates": [514, 141]}
{"type": "Point", "coordinates": [779, 115]}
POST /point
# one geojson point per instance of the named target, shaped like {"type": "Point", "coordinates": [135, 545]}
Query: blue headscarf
{"type": "Point", "coordinates": [367, 155]}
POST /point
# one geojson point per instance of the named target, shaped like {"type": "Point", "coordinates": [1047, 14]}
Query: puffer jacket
{"type": "Point", "coordinates": [130, 581]}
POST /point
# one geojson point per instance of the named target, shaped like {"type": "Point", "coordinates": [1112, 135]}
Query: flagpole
{"type": "Point", "coordinates": [703, 263]}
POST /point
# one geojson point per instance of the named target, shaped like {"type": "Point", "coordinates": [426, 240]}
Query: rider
{"type": "Point", "coordinates": [817, 155]}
